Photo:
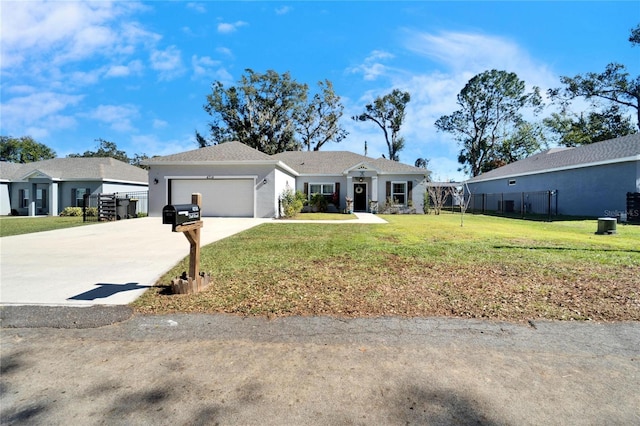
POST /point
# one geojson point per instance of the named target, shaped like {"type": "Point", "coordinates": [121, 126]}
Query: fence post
{"type": "Point", "coordinates": [522, 204]}
{"type": "Point", "coordinates": [85, 199]}
{"type": "Point", "coordinates": [549, 206]}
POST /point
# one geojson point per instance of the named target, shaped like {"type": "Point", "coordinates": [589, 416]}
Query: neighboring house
{"type": "Point", "coordinates": [589, 180]}
{"type": "Point", "coordinates": [236, 180]}
{"type": "Point", "coordinates": [47, 187]}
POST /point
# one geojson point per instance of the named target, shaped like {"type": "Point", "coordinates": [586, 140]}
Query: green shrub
{"type": "Point", "coordinates": [92, 211]}
{"type": "Point", "coordinates": [71, 211]}
{"type": "Point", "coordinates": [292, 202]}
{"type": "Point", "coordinates": [319, 203]}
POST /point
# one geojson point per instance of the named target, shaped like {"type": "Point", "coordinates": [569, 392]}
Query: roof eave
{"type": "Point", "coordinates": [558, 169]}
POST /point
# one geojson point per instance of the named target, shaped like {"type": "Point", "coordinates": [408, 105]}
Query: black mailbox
{"type": "Point", "coordinates": [180, 214]}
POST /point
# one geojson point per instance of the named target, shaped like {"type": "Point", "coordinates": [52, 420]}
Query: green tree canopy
{"type": "Point", "coordinates": [388, 113]}
{"type": "Point", "coordinates": [614, 86]}
{"type": "Point", "coordinates": [105, 149]}
{"type": "Point", "coordinates": [270, 112]}
{"type": "Point", "coordinates": [573, 130]}
{"type": "Point", "coordinates": [489, 124]}
{"type": "Point", "coordinates": [24, 150]}
{"type": "Point", "coordinates": [319, 120]}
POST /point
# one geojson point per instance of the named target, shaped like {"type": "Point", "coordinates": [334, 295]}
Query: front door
{"type": "Point", "coordinates": [360, 197]}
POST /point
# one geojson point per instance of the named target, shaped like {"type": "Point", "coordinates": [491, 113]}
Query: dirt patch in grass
{"type": "Point", "coordinates": [397, 287]}
{"type": "Point", "coordinates": [418, 267]}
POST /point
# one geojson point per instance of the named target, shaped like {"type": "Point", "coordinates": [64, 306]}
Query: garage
{"type": "Point", "coordinates": [221, 197]}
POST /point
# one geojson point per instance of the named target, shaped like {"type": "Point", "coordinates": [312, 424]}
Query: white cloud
{"type": "Point", "coordinates": [227, 28]}
{"type": "Point", "coordinates": [59, 31]}
{"type": "Point", "coordinates": [203, 66]}
{"type": "Point", "coordinates": [159, 124]}
{"type": "Point", "coordinates": [197, 7]}
{"type": "Point", "coordinates": [224, 51]}
{"type": "Point", "coordinates": [132, 68]}
{"type": "Point", "coordinates": [372, 67]}
{"type": "Point", "coordinates": [33, 110]}
{"type": "Point", "coordinates": [118, 117]}
{"type": "Point", "coordinates": [468, 54]}
{"type": "Point", "coordinates": [283, 10]}
{"type": "Point", "coordinates": [167, 62]}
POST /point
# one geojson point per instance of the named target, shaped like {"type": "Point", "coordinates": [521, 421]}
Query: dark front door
{"type": "Point", "coordinates": [359, 197]}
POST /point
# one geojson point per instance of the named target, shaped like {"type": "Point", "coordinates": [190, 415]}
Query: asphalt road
{"type": "Point", "coordinates": [227, 370]}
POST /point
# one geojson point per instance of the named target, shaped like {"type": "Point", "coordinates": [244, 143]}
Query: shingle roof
{"type": "Point", "coordinates": [96, 168]}
{"type": "Point", "coordinates": [303, 162]}
{"type": "Point", "coordinates": [321, 162]}
{"type": "Point", "coordinates": [228, 151]}
{"type": "Point", "coordinates": [609, 151]}
{"type": "Point", "coordinates": [7, 170]}
{"type": "Point", "coordinates": [336, 162]}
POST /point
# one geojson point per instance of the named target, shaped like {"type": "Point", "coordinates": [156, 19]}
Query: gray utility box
{"type": "Point", "coordinates": [180, 214]}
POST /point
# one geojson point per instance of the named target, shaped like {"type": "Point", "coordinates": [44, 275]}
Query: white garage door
{"type": "Point", "coordinates": [220, 197]}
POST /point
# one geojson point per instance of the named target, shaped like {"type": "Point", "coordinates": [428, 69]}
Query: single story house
{"type": "Point", "coordinates": [236, 180]}
{"type": "Point", "coordinates": [588, 180]}
{"type": "Point", "coordinates": [47, 187]}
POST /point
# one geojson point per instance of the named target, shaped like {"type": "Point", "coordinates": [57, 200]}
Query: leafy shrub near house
{"type": "Point", "coordinates": [319, 203]}
{"type": "Point", "coordinates": [71, 211]}
{"type": "Point", "coordinates": [292, 202]}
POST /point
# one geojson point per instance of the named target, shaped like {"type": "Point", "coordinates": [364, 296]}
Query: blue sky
{"type": "Point", "coordinates": [137, 73]}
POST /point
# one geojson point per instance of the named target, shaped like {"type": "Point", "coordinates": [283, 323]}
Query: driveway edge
{"type": "Point", "coordinates": [30, 316]}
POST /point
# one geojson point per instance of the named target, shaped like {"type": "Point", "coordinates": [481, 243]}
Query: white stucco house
{"type": "Point", "coordinates": [236, 180]}
{"type": "Point", "coordinates": [588, 180]}
{"type": "Point", "coordinates": [47, 187]}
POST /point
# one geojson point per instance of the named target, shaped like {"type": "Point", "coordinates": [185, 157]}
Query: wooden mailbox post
{"type": "Point", "coordinates": [194, 281]}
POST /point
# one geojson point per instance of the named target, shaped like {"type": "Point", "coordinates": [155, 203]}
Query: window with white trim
{"type": "Point", "coordinates": [41, 198]}
{"type": "Point", "coordinates": [77, 196]}
{"type": "Point", "coordinates": [512, 182]}
{"type": "Point", "coordinates": [399, 192]}
{"type": "Point", "coordinates": [23, 195]}
{"type": "Point", "coordinates": [321, 188]}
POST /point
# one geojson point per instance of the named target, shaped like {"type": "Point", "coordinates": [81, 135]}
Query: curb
{"type": "Point", "coordinates": [30, 316]}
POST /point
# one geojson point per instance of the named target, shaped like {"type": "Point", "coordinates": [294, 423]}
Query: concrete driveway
{"type": "Point", "coordinates": [102, 264]}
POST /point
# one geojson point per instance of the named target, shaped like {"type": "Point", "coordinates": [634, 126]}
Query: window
{"type": "Point", "coordinates": [77, 196]}
{"type": "Point", "coordinates": [41, 198]}
{"type": "Point", "coordinates": [23, 194]}
{"type": "Point", "coordinates": [512, 182]}
{"type": "Point", "coordinates": [399, 192]}
{"type": "Point", "coordinates": [321, 188]}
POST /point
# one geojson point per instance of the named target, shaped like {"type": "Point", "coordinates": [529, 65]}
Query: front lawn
{"type": "Point", "coordinates": [418, 265]}
{"type": "Point", "coordinates": [11, 225]}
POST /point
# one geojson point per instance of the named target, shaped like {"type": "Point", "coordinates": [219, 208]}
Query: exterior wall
{"type": "Point", "coordinates": [5, 201]}
{"type": "Point", "coordinates": [417, 191]}
{"type": "Point", "coordinates": [588, 191]}
{"type": "Point", "coordinates": [65, 191]}
{"type": "Point", "coordinates": [375, 183]}
{"type": "Point", "coordinates": [113, 187]}
{"type": "Point", "coordinates": [282, 181]}
{"type": "Point", "coordinates": [302, 180]}
{"type": "Point", "coordinates": [265, 206]}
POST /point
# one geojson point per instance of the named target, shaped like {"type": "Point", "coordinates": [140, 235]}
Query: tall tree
{"type": "Point", "coordinates": [490, 113]}
{"type": "Point", "coordinates": [319, 120]}
{"type": "Point", "coordinates": [572, 130]}
{"type": "Point", "coordinates": [423, 163]}
{"type": "Point", "coordinates": [614, 85]}
{"type": "Point", "coordinates": [23, 150]}
{"type": "Point", "coordinates": [105, 149]}
{"type": "Point", "coordinates": [388, 113]}
{"type": "Point", "coordinates": [260, 112]}
{"type": "Point", "coordinates": [634, 38]}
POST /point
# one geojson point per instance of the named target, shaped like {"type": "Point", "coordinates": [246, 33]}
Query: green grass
{"type": "Point", "coordinates": [26, 225]}
{"type": "Point", "coordinates": [418, 265]}
{"type": "Point", "coordinates": [324, 216]}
